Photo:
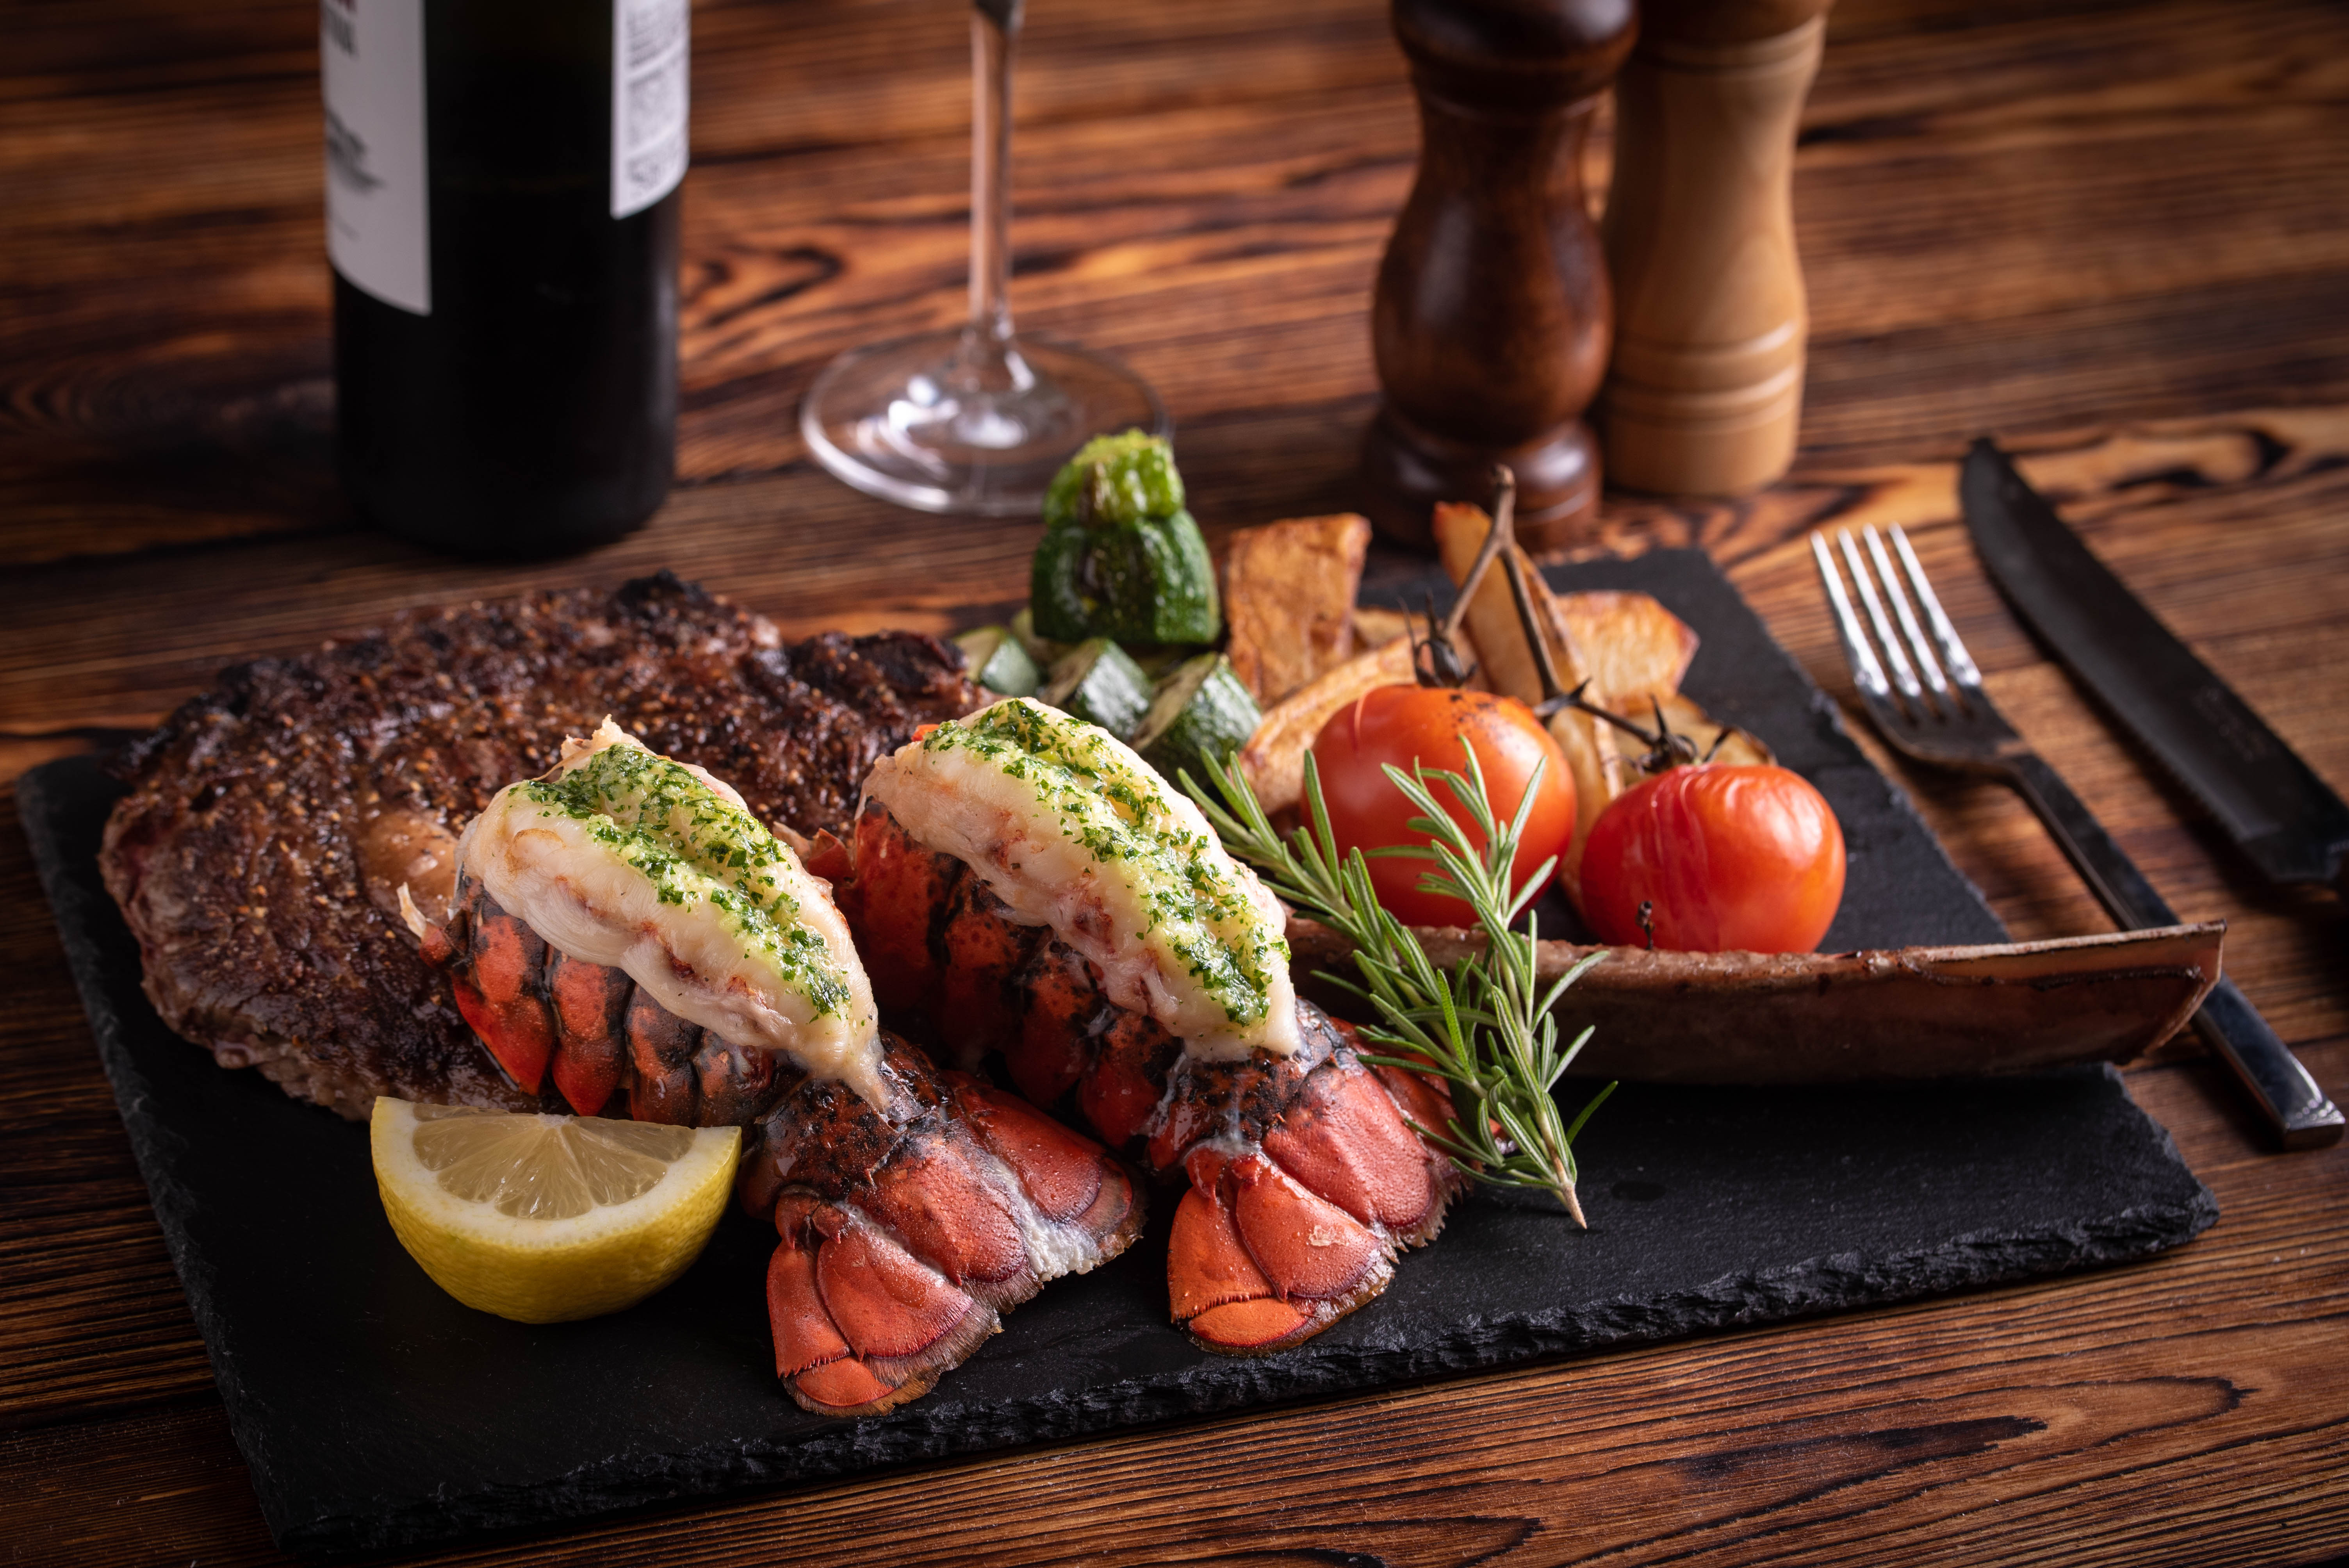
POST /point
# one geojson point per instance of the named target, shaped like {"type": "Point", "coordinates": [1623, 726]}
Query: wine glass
{"type": "Point", "coordinates": [974, 419]}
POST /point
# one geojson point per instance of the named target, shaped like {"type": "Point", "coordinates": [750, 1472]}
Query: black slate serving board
{"type": "Point", "coordinates": [373, 1411]}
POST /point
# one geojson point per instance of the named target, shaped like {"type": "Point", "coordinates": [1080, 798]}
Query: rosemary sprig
{"type": "Point", "coordinates": [1482, 1025]}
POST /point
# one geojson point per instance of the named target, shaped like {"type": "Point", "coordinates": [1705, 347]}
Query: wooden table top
{"type": "Point", "coordinates": [2116, 235]}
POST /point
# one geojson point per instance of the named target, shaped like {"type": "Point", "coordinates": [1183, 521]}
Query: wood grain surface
{"type": "Point", "coordinates": [2115, 235]}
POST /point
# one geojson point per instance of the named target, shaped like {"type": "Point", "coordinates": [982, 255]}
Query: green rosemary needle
{"type": "Point", "coordinates": [1484, 1026]}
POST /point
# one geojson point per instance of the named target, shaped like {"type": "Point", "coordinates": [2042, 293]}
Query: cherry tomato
{"type": "Point", "coordinates": [1432, 725]}
{"type": "Point", "coordinates": [1730, 858]}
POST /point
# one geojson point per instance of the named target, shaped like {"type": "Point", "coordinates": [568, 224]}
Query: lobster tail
{"type": "Point", "coordinates": [1306, 1183]}
{"type": "Point", "coordinates": [1306, 1179]}
{"type": "Point", "coordinates": [608, 1047]}
{"type": "Point", "coordinates": [905, 1237]}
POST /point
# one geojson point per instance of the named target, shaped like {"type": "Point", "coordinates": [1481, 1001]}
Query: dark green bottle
{"type": "Point", "coordinates": [502, 210]}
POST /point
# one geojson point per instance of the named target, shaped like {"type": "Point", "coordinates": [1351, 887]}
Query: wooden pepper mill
{"type": "Point", "coordinates": [1706, 389]}
{"type": "Point", "coordinates": [1490, 322]}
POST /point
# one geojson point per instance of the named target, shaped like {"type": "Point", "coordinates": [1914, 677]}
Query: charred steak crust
{"type": "Point", "coordinates": [271, 820]}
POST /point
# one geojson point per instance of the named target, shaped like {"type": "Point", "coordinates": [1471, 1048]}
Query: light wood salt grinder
{"type": "Point", "coordinates": [1490, 320]}
{"type": "Point", "coordinates": [1705, 392]}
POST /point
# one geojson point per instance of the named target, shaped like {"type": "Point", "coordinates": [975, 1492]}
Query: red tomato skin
{"type": "Point", "coordinates": [1400, 724]}
{"type": "Point", "coordinates": [1733, 858]}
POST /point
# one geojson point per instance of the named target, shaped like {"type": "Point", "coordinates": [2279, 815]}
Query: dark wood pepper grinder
{"type": "Point", "coordinates": [1490, 324]}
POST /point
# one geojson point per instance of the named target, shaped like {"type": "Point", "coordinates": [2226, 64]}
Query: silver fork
{"type": "Point", "coordinates": [1926, 698]}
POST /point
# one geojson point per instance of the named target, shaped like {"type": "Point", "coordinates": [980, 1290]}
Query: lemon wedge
{"type": "Point", "coordinates": [545, 1219]}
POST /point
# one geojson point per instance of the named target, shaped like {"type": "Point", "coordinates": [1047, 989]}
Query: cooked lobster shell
{"type": "Point", "coordinates": [606, 1046]}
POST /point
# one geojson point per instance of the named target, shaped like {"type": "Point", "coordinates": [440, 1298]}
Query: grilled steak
{"type": "Point", "coordinates": [273, 819]}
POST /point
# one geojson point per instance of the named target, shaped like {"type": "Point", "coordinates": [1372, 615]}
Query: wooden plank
{"type": "Point", "coordinates": [1960, 276]}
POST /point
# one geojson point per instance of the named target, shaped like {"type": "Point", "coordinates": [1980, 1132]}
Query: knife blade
{"type": "Point", "coordinates": [2285, 819]}
{"type": "Point", "coordinates": [2294, 828]}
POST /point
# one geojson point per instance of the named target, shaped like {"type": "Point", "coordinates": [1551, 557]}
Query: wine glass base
{"type": "Point", "coordinates": [947, 422]}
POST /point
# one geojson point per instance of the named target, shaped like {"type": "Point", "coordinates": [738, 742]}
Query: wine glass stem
{"type": "Point", "coordinates": [994, 29]}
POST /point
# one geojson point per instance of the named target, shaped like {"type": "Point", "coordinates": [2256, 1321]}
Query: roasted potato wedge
{"type": "Point", "coordinates": [1375, 628]}
{"type": "Point", "coordinates": [1289, 598]}
{"type": "Point", "coordinates": [1634, 645]}
{"type": "Point", "coordinates": [1273, 761]}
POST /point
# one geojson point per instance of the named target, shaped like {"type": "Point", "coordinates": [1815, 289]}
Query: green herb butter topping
{"type": "Point", "coordinates": [1072, 829]}
{"type": "Point", "coordinates": [696, 848]}
{"type": "Point", "coordinates": [623, 857]}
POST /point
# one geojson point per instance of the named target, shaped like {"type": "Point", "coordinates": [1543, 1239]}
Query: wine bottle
{"type": "Point", "coordinates": [502, 210]}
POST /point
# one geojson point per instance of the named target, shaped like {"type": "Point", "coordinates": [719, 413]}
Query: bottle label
{"type": "Point", "coordinates": [648, 101]}
{"type": "Point", "coordinates": [372, 55]}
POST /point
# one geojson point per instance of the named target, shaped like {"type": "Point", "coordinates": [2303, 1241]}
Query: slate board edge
{"type": "Point", "coordinates": [74, 904]}
{"type": "Point", "coordinates": [940, 1428]}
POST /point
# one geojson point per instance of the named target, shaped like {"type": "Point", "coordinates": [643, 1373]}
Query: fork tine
{"type": "Point", "coordinates": [1902, 675]}
{"type": "Point", "coordinates": [1954, 657]}
{"type": "Point", "coordinates": [1866, 673]}
{"type": "Point", "coordinates": [1927, 666]}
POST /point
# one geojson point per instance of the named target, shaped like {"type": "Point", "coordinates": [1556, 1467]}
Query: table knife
{"type": "Point", "coordinates": [2285, 819]}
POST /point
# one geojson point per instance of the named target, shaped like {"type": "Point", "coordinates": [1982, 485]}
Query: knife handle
{"type": "Point", "coordinates": [2297, 1111]}
{"type": "Point", "coordinates": [2302, 1117]}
